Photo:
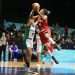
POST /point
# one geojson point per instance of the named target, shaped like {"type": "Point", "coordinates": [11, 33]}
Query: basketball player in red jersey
{"type": "Point", "coordinates": [45, 33]}
{"type": "Point", "coordinates": [44, 30]}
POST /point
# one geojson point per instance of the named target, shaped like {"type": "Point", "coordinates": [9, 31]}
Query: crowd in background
{"type": "Point", "coordinates": [14, 39]}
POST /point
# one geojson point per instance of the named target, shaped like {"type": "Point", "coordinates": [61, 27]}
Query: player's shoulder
{"type": "Point", "coordinates": [45, 17]}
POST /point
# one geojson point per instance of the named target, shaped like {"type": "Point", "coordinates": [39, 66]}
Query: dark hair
{"type": "Point", "coordinates": [46, 12]}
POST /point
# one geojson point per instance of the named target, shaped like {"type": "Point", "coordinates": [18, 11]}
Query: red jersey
{"type": "Point", "coordinates": [43, 39]}
{"type": "Point", "coordinates": [43, 26]}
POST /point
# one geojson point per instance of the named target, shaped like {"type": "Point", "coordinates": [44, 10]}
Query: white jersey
{"type": "Point", "coordinates": [31, 32]}
{"type": "Point", "coordinates": [29, 41]}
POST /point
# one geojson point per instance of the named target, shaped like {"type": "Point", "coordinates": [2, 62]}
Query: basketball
{"type": "Point", "coordinates": [35, 6]}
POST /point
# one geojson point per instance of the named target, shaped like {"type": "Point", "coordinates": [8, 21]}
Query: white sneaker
{"type": "Point", "coordinates": [28, 70]}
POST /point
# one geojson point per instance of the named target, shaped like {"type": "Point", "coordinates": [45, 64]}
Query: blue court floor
{"type": "Point", "coordinates": [62, 56]}
{"type": "Point", "coordinates": [65, 56]}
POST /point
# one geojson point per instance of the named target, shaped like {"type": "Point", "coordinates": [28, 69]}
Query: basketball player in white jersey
{"type": "Point", "coordinates": [30, 31]}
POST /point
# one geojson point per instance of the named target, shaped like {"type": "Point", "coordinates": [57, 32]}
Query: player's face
{"type": "Point", "coordinates": [42, 12]}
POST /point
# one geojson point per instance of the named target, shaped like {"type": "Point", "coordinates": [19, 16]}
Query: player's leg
{"type": "Point", "coordinates": [29, 44]}
{"type": "Point", "coordinates": [49, 47]}
{"type": "Point", "coordinates": [47, 35]}
{"type": "Point", "coordinates": [50, 51]}
{"type": "Point", "coordinates": [39, 48]}
{"type": "Point", "coordinates": [25, 55]}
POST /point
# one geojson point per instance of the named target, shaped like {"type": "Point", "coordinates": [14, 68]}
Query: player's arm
{"type": "Point", "coordinates": [35, 23]}
{"type": "Point", "coordinates": [43, 17]}
{"type": "Point", "coordinates": [29, 22]}
{"type": "Point", "coordinates": [32, 15]}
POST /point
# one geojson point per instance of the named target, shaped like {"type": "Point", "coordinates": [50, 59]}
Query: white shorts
{"type": "Point", "coordinates": [29, 43]}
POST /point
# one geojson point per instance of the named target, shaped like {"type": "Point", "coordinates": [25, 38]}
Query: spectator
{"type": "Point", "coordinates": [9, 41]}
{"type": "Point", "coordinates": [19, 42]}
{"type": "Point", "coordinates": [62, 42]}
{"type": "Point", "coordinates": [13, 48]}
{"type": "Point", "coordinates": [3, 44]}
{"type": "Point", "coordinates": [69, 43]}
{"type": "Point", "coordinates": [0, 45]}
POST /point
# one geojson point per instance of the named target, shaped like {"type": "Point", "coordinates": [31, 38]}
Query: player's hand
{"type": "Point", "coordinates": [38, 9]}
